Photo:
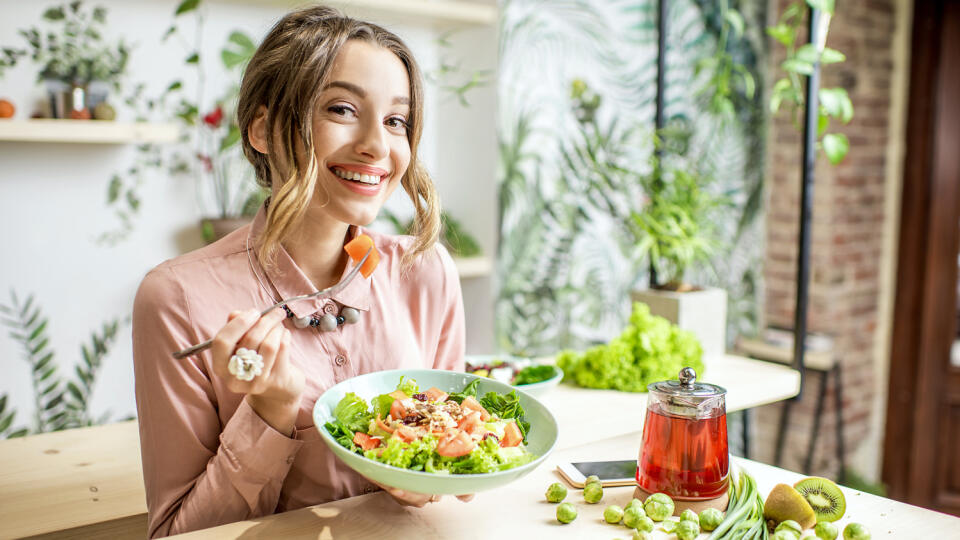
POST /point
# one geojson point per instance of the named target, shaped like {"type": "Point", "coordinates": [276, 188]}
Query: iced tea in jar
{"type": "Point", "coordinates": [684, 452]}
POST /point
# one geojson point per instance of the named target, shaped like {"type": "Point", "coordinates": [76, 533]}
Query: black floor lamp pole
{"type": "Point", "coordinates": [810, 120]}
{"type": "Point", "coordinates": [658, 114]}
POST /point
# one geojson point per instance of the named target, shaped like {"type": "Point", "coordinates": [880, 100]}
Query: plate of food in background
{"type": "Point", "coordinates": [531, 375]}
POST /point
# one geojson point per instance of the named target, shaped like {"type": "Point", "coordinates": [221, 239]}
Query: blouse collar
{"type": "Point", "coordinates": [289, 280]}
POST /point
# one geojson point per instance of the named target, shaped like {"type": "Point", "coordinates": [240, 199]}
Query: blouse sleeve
{"type": "Point", "coordinates": [452, 343]}
{"type": "Point", "coordinates": [197, 472]}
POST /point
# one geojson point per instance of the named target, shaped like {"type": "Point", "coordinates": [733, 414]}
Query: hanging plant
{"type": "Point", "coordinates": [834, 103]}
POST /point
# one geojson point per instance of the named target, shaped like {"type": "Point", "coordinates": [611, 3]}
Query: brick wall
{"type": "Point", "coordinates": [846, 241]}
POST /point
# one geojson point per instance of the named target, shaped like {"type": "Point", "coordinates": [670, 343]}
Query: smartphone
{"type": "Point", "coordinates": [611, 473]}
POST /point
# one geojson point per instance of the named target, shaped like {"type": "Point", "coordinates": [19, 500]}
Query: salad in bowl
{"type": "Point", "coordinates": [434, 431]}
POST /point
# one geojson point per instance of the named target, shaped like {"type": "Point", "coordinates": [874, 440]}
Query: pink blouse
{"type": "Point", "coordinates": [208, 458]}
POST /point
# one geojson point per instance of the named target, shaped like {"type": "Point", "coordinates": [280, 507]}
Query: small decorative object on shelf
{"type": "Point", "coordinates": [6, 108]}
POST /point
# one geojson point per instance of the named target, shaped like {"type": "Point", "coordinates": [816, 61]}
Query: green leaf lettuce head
{"type": "Point", "coordinates": [650, 349]}
{"type": "Point", "coordinates": [353, 413]}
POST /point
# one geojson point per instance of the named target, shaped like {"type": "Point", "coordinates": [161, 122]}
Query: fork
{"type": "Point", "coordinates": [334, 289]}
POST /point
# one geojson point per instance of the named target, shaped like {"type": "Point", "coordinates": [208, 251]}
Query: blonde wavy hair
{"type": "Point", "coordinates": [286, 75]}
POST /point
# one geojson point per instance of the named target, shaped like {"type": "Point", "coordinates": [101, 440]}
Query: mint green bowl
{"type": "Point", "coordinates": [540, 440]}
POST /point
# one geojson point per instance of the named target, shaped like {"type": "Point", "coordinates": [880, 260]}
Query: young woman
{"type": "Point", "coordinates": [331, 112]}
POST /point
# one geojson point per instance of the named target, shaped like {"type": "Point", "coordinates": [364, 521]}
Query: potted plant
{"type": "Point", "coordinates": [228, 194]}
{"type": "Point", "coordinates": [676, 231]}
{"type": "Point", "coordinates": [78, 66]}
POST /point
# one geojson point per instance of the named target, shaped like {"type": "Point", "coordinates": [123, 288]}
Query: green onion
{"type": "Point", "coordinates": [744, 517]}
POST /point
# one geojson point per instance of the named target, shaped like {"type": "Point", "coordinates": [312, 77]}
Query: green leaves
{"type": "Point", "coordinates": [58, 405]}
{"type": "Point", "coordinates": [823, 5]}
{"type": "Point", "coordinates": [836, 103]}
{"type": "Point", "coordinates": [194, 58]}
{"type": "Point", "coordinates": [241, 51]}
{"type": "Point", "coordinates": [735, 20]}
{"type": "Point", "coordinates": [836, 146]}
{"type": "Point", "coordinates": [833, 102]}
{"type": "Point", "coordinates": [782, 33]}
{"type": "Point", "coordinates": [186, 6]}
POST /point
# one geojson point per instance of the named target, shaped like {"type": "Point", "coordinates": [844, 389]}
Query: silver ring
{"type": "Point", "coordinates": [245, 364]}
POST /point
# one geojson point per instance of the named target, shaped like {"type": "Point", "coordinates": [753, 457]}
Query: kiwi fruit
{"type": "Point", "coordinates": [823, 496]}
{"type": "Point", "coordinates": [785, 503]}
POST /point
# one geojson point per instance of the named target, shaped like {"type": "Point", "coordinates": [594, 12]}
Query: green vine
{"type": "Point", "coordinates": [833, 102]}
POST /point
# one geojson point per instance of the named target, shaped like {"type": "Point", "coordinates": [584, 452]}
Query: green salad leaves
{"type": "Point", "coordinates": [650, 349]}
{"type": "Point", "coordinates": [353, 413]}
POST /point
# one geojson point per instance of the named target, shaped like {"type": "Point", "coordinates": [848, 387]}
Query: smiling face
{"type": "Point", "coordinates": [360, 134]}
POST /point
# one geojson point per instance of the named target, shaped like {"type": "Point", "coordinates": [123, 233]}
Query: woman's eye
{"type": "Point", "coordinates": [397, 122]}
{"type": "Point", "coordinates": [341, 110]}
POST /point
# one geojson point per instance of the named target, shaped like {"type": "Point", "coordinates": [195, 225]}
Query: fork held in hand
{"type": "Point", "coordinates": [190, 351]}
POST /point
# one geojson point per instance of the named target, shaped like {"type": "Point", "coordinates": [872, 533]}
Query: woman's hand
{"type": "Point", "coordinates": [275, 393]}
{"type": "Point", "coordinates": [418, 500]}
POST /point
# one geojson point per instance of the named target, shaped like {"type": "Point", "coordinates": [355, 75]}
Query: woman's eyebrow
{"type": "Point", "coordinates": [350, 87]}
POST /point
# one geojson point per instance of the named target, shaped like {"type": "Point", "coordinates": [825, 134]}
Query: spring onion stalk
{"type": "Point", "coordinates": [744, 517]}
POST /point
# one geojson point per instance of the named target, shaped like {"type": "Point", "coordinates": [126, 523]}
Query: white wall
{"type": "Point", "coordinates": [52, 196]}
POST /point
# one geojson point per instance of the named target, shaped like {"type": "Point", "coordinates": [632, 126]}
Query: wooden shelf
{"type": "Point", "coordinates": [86, 131]}
{"type": "Point", "coordinates": [431, 12]}
{"type": "Point", "coordinates": [473, 267]}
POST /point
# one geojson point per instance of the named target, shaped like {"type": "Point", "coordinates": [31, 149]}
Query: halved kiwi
{"type": "Point", "coordinates": [824, 497]}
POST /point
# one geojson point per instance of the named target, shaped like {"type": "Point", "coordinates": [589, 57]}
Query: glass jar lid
{"type": "Point", "coordinates": [686, 385]}
{"type": "Point", "coordinates": [687, 397]}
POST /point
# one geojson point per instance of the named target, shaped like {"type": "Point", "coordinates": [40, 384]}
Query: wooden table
{"type": "Point", "coordinates": [519, 510]}
{"type": "Point", "coordinates": [81, 482]}
{"type": "Point", "coordinates": [88, 482]}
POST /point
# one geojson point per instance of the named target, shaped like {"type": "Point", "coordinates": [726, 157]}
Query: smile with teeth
{"type": "Point", "coordinates": [357, 177]}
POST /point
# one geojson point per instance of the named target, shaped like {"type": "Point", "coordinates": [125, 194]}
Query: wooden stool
{"type": "Point", "coordinates": [823, 362]}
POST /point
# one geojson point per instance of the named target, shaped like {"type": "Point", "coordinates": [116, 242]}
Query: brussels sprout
{"type": "Point", "coordinates": [642, 535]}
{"type": "Point", "coordinates": [790, 525]}
{"type": "Point", "coordinates": [635, 503]}
{"type": "Point", "coordinates": [689, 514]}
{"type": "Point", "coordinates": [826, 530]}
{"type": "Point", "coordinates": [632, 515]}
{"type": "Point", "coordinates": [668, 526]}
{"type": "Point", "coordinates": [687, 529]}
{"type": "Point", "coordinates": [566, 513]}
{"type": "Point", "coordinates": [591, 479]}
{"type": "Point", "coordinates": [784, 535]}
{"type": "Point", "coordinates": [658, 506]}
{"type": "Point", "coordinates": [645, 524]}
{"type": "Point", "coordinates": [855, 531]}
{"type": "Point", "coordinates": [556, 492]}
{"type": "Point", "coordinates": [613, 514]}
{"type": "Point", "coordinates": [593, 492]}
{"type": "Point", "coordinates": [710, 519]}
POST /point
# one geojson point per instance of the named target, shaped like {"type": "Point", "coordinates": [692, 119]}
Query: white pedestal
{"type": "Point", "coordinates": [703, 312]}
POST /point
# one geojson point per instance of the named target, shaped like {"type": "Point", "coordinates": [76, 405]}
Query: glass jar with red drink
{"type": "Point", "coordinates": [684, 452]}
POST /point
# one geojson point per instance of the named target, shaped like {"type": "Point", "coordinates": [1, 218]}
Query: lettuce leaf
{"type": "Point", "coordinates": [506, 407]}
{"type": "Point", "coordinates": [381, 405]}
{"type": "Point", "coordinates": [409, 386]}
{"type": "Point", "coordinates": [342, 434]}
{"type": "Point", "coordinates": [352, 412]}
{"type": "Point", "coordinates": [469, 390]}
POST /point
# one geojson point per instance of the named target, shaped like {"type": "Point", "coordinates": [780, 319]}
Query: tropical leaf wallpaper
{"type": "Point", "coordinates": [577, 90]}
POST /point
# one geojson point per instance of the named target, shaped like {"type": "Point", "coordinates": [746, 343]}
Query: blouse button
{"type": "Point", "coordinates": [340, 360]}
